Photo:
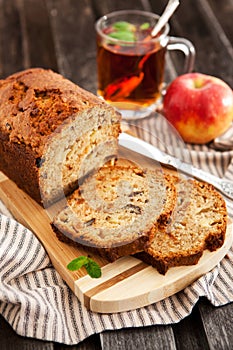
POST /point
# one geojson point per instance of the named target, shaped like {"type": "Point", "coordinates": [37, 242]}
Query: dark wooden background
{"type": "Point", "coordinates": [59, 34]}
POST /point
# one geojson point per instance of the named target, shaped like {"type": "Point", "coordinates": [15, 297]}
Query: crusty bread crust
{"type": "Point", "coordinates": [110, 253]}
{"type": "Point", "coordinates": [42, 112]}
{"type": "Point", "coordinates": [199, 222]}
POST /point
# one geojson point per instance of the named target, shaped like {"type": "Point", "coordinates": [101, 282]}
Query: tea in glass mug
{"type": "Point", "coordinates": [131, 64]}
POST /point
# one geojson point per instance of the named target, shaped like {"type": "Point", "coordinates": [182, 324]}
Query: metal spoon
{"type": "Point", "coordinates": [169, 10]}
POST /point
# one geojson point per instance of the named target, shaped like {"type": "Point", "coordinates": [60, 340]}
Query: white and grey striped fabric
{"type": "Point", "coordinates": [37, 303]}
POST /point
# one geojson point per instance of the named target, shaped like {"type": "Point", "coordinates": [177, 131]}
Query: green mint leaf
{"type": "Point", "coordinates": [124, 36]}
{"type": "Point", "coordinates": [77, 263]}
{"type": "Point", "coordinates": [93, 269]}
{"type": "Point", "coordinates": [144, 26]}
{"type": "Point", "coordinates": [124, 26]}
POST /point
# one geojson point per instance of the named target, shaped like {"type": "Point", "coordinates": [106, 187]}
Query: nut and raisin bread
{"type": "Point", "coordinates": [198, 222]}
{"type": "Point", "coordinates": [52, 133]}
{"type": "Point", "coordinates": [116, 210]}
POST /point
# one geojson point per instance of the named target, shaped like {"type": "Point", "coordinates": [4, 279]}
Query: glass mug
{"type": "Point", "coordinates": [131, 64]}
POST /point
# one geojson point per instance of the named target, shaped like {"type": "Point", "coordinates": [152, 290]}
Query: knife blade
{"type": "Point", "coordinates": [146, 149]}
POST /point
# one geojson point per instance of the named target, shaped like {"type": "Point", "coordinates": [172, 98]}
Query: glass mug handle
{"type": "Point", "coordinates": [187, 48]}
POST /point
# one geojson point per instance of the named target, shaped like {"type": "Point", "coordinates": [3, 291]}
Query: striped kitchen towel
{"type": "Point", "coordinates": [38, 303]}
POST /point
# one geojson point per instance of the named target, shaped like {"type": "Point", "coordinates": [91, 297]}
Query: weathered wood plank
{"type": "Point", "coordinates": [197, 22]}
{"type": "Point", "coordinates": [223, 11]}
{"type": "Point", "coordinates": [148, 338]}
{"type": "Point", "coordinates": [38, 41]}
{"type": "Point", "coordinates": [106, 6]}
{"type": "Point", "coordinates": [91, 343]}
{"type": "Point", "coordinates": [189, 332]}
{"type": "Point", "coordinates": [10, 340]}
{"type": "Point", "coordinates": [218, 325]}
{"type": "Point", "coordinates": [73, 30]}
{"type": "Point", "coordinates": [11, 49]}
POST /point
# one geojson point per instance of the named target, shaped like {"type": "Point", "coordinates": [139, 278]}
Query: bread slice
{"type": "Point", "coordinates": [116, 210]}
{"type": "Point", "coordinates": [198, 222]}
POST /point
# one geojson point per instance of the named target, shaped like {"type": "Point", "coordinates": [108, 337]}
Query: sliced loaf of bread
{"type": "Point", "coordinates": [198, 222]}
{"type": "Point", "coordinates": [52, 133]}
{"type": "Point", "coordinates": [116, 210]}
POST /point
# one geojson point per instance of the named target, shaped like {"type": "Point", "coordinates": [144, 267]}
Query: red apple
{"type": "Point", "coordinates": [199, 106]}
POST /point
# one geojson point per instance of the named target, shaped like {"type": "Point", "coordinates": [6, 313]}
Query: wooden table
{"type": "Point", "coordinates": [59, 34]}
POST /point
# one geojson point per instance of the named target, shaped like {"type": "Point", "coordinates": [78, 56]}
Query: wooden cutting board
{"type": "Point", "coordinates": [125, 284]}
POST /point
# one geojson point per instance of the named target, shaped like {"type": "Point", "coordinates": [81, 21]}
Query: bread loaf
{"type": "Point", "coordinates": [198, 222]}
{"type": "Point", "coordinates": [116, 210]}
{"type": "Point", "coordinates": [52, 133]}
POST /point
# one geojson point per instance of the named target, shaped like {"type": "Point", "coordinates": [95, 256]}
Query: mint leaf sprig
{"type": "Point", "coordinates": [123, 31]}
{"type": "Point", "coordinates": [126, 31]}
{"type": "Point", "coordinates": [93, 269]}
